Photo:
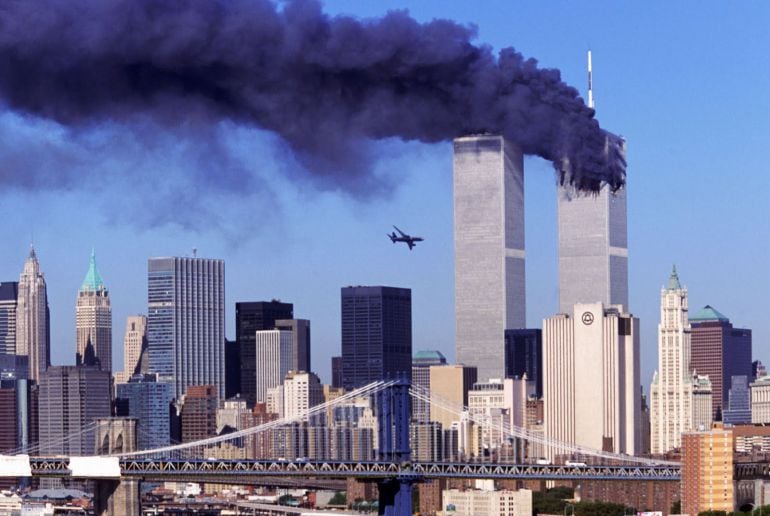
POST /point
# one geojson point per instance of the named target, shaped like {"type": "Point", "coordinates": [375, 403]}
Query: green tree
{"type": "Point", "coordinates": [551, 501]}
{"type": "Point", "coordinates": [338, 499]}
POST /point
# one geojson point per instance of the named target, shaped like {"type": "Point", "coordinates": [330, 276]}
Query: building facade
{"type": "Point", "coordinates": [134, 343]}
{"type": "Point", "coordinates": [93, 321]}
{"type": "Point", "coordinates": [251, 317]}
{"type": "Point", "coordinates": [149, 402]}
{"type": "Point", "coordinates": [524, 356]}
{"type": "Point", "coordinates": [760, 400]}
{"type": "Point", "coordinates": [32, 318]}
{"type": "Point", "coordinates": [450, 384]}
{"type": "Point", "coordinates": [9, 297]}
{"type": "Point", "coordinates": [671, 393]}
{"type": "Point", "coordinates": [186, 321]}
{"type": "Point", "coordinates": [376, 334]}
{"type": "Point", "coordinates": [477, 501]}
{"type": "Point", "coordinates": [300, 336]}
{"type": "Point", "coordinates": [738, 410]}
{"type": "Point", "coordinates": [707, 470]}
{"type": "Point", "coordinates": [421, 363]}
{"type": "Point", "coordinates": [70, 399]}
{"type": "Point", "coordinates": [593, 248]}
{"type": "Point", "coordinates": [719, 351]}
{"type": "Point", "coordinates": [489, 249]}
{"type": "Point", "coordinates": [273, 356]}
{"type": "Point", "coordinates": [301, 391]}
{"type": "Point", "coordinates": [591, 378]}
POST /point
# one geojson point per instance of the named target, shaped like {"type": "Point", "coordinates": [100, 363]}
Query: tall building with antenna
{"type": "Point", "coordinates": [93, 321]}
{"type": "Point", "coordinates": [593, 242]}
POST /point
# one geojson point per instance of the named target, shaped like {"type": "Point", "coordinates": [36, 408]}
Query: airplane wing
{"type": "Point", "coordinates": [401, 232]}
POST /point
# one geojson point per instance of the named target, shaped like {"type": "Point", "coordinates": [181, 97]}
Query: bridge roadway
{"type": "Point", "coordinates": [243, 469]}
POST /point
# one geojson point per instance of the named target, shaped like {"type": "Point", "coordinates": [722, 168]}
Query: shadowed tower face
{"type": "Point", "coordinates": [489, 249]}
{"type": "Point", "coordinates": [593, 248]}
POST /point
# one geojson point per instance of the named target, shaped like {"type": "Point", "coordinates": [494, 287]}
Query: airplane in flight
{"type": "Point", "coordinates": [410, 240]}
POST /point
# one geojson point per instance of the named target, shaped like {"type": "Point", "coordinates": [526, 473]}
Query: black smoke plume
{"type": "Point", "coordinates": [323, 84]}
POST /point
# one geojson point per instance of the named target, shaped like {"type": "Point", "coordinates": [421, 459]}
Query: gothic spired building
{"type": "Point", "coordinates": [94, 321]}
{"type": "Point", "coordinates": [32, 318]}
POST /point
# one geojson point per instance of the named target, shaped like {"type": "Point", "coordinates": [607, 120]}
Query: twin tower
{"type": "Point", "coordinates": [489, 249]}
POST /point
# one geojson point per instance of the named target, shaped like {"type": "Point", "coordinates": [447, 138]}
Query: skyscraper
{"type": "Point", "coordinates": [719, 351]}
{"type": "Point", "coordinates": [93, 321]}
{"type": "Point", "coordinates": [273, 356]}
{"type": "Point", "coordinates": [524, 355]}
{"type": "Point", "coordinates": [421, 363]}
{"type": "Point", "coordinates": [300, 337]}
{"type": "Point", "coordinates": [9, 296]}
{"type": "Point", "coordinates": [186, 321]}
{"type": "Point", "coordinates": [32, 318]}
{"type": "Point", "coordinates": [489, 249]}
{"type": "Point", "coordinates": [376, 334]}
{"type": "Point", "coordinates": [707, 470]}
{"type": "Point", "coordinates": [148, 401]}
{"type": "Point", "coordinates": [672, 408]}
{"type": "Point", "coordinates": [134, 342]}
{"type": "Point", "coordinates": [591, 378]}
{"type": "Point", "coordinates": [71, 398]}
{"type": "Point", "coordinates": [251, 317]}
{"type": "Point", "coordinates": [593, 248]}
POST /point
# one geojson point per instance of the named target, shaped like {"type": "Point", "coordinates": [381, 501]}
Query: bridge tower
{"type": "Point", "coordinates": [116, 435]}
{"type": "Point", "coordinates": [393, 413]}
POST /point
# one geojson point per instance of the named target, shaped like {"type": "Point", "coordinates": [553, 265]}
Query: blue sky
{"type": "Point", "coordinates": [686, 83]}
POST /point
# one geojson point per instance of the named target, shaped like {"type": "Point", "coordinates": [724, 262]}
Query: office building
{"type": "Point", "coordinates": [32, 318]}
{"type": "Point", "coordinates": [93, 321]}
{"type": "Point", "coordinates": [760, 400]}
{"type": "Point", "coordinates": [707, 470]}
{"type": "Point", "coordinates": [524, 356]}
{"type": "Point", "coordinates": [591, 378]}
{"type": "Point", "coordinates": [9, 295]}
{"type": "Point", "coordinates": [671, 393]}
{"type": "Point", "coordinates": [719, 351]}
{"type": "Point", "coordinates": [758, 370]}
{"type": "Point", "coordinates": [70, 399]}
{"type": "Point", "coordinates": [301, 392]}
{"type": "Point", "coordinates": [376, 334]}
{"type": "Point", "coordinates": [199, 413]}
{"type": "Point", "coordinates": [449, 384]}
{"type": "Point", "coordinates": [489, 249]}
{"type": "Point", "coordinates": [272, 360]}
{"type": "Point", "coordinates": [232, 369]}
{"type": "Point", "coordinates": [738, 409]}
{"type": "Point", "coordinates": [230, 415]}
{"type": "Point", "coordinates": [593, 248]}
{"type": "Point", "coordinates": [421, 363]}
{"type": "Point", "coordinates": [18, 410]}
{"type": "Point", "coordinates": [701, 402]}
{"type": "Point", "coordinates": [186, 322]}
{"type": "Point", "coordinates": [300, 336]}
{"type": "Point", "coordinates": [337, 372]}
{"type": "Point", "coordinates": [134, 343]}
{"type": "Point", "coordinates": [251, 317]}
{"type": "Point", "coordinates": [478, 501]}
{"type": "Point", "coordinates": [149, 402]}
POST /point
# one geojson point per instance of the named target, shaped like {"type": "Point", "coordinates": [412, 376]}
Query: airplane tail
{"type": "Point", "coordinates": [392, 237]}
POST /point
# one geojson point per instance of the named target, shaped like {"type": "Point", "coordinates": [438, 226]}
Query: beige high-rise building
{"type": "Point", "coordinates": [760, 400]}
{"type": "Point", "coordinates": [450, 384]}
{"type": "Point", "coordinates": [93, 321]}
{"type": "Point", "coordinates": [591, 379]}
{"type": "Point", "coordinates": [676, 395]}
{"type": "Point", "coordinates": [134, 341]}
{"type": "Point", "coordinates": [301, 391]}
{"type": "Point", "coordinates": [707, 470]}
{"type": "Point", "coordinates": [32, 318]}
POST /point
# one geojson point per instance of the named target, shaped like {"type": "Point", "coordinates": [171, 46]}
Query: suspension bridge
{"type": "Point", "coordinates": [118, 467]}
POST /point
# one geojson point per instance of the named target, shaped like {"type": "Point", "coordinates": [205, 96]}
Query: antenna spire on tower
{"type": "Point", "coordinates": [590, 83]}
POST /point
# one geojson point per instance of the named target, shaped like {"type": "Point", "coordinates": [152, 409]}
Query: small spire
{"type": "Point", "coordinates": [93, 281]}
{"type": "Point", "coordinates": [32, 255]}
{"type": "Point", "coordinates": [673, 280]}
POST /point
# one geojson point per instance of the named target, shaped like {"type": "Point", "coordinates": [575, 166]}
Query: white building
{"type": "Point", "coordinates": [273, 357]}
{"type": "Point", "coordinates": [489, 249]}
{"type": "Point", "coordinates": [32, 326]}
{"type": "Point", "coordinates": [93, 321]}
{"type": "Point", "coordinates": [591, 379]}
{"type": "Point", "coordinates": [701, 402]}
{"type": "Point", "coordinates": [476, 501]}
{"type": "Point", "coordinates": [229, 414]}
{"type": "Point", "coordinates": [301, 391]}
{"type": "Point", "coordinates": [673, 408]}
{"type": "Point", "coordinates": [134, 340]}
{"type": "Point", "coordinates": [760, 400]}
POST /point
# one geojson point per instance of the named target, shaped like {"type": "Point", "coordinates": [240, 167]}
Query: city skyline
{"type": "Point", "coordinates": [299, 245]}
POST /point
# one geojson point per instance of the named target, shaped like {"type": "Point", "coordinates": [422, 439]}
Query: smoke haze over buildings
{"type": "Point", "coordinates": [324, 85]}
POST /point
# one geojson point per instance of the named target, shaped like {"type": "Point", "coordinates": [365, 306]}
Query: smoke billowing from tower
{"type": "Point", "coordinates": [322, 84]}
